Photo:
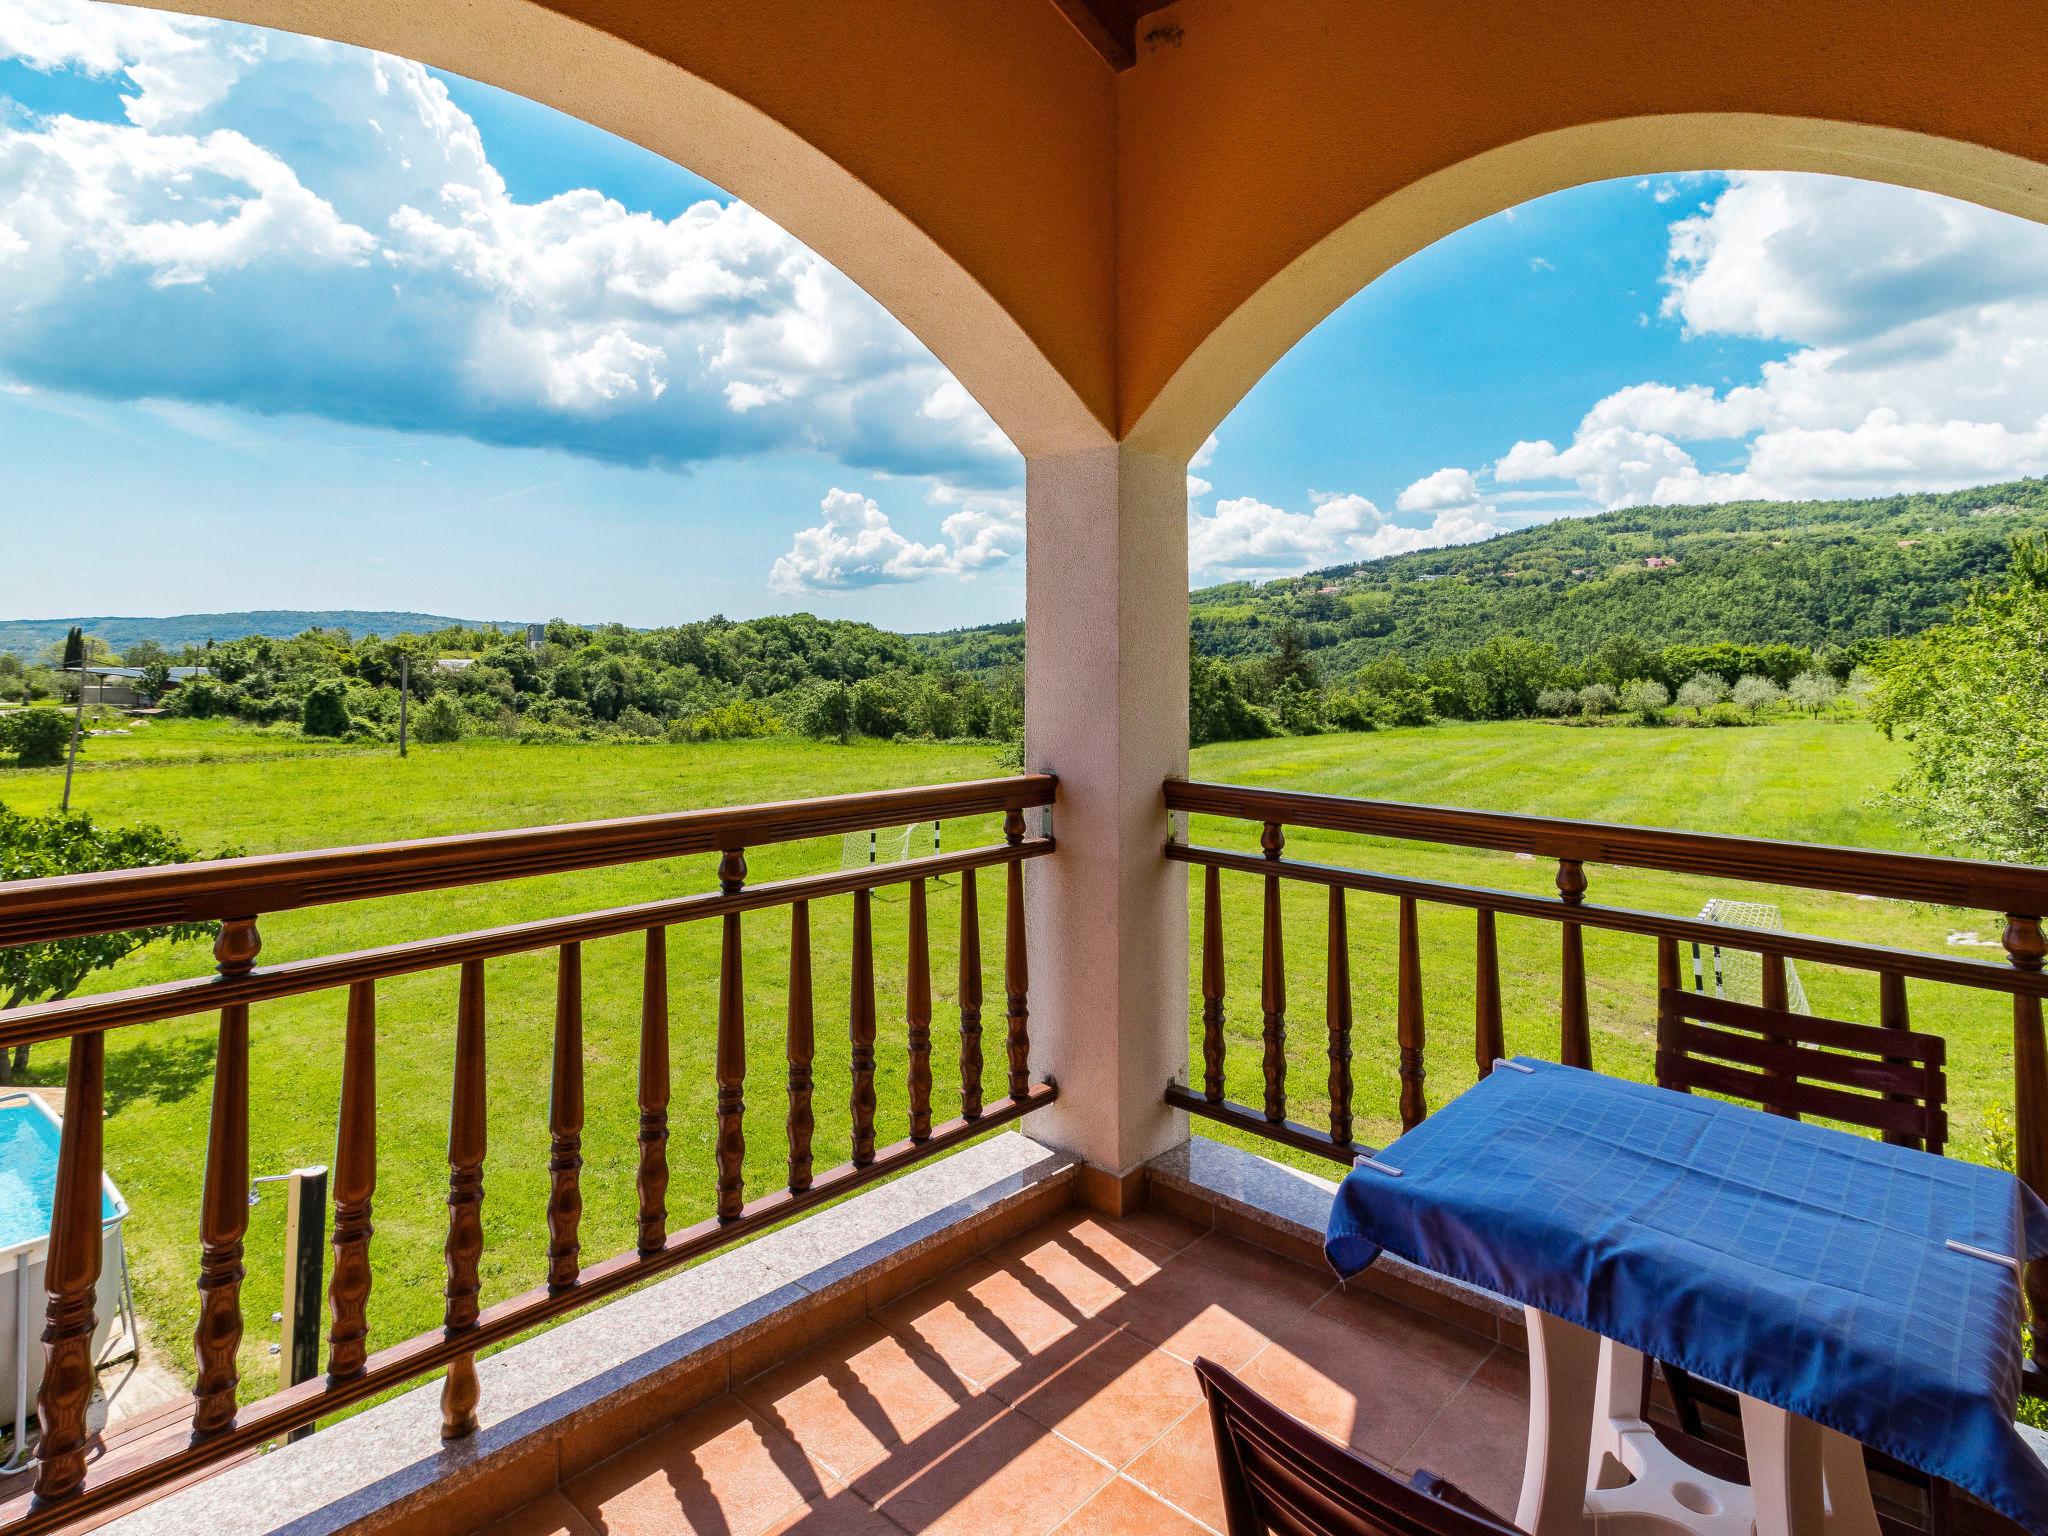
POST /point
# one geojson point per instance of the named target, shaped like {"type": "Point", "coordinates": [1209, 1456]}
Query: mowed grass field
{"type": "Point", "coordinates": [217, 785]}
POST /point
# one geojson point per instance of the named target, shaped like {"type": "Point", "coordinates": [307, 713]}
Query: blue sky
{"type": "Point", "coordinates": [292, 325]}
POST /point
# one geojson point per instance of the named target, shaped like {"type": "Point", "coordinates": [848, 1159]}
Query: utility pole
{"type": "Point", "coordinates": [404, 696]}
{"type": "Point", "coordinates": [77, 730]}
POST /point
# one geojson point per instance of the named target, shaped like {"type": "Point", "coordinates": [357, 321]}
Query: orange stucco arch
{"type": "Point", "coordinates": [1237, 353]}
{"type": "Point", "coordinates": [944, 157]}
{"type": "Point", "coordinates": [1105, 257]}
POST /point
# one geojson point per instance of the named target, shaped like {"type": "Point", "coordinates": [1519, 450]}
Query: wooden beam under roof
{"type": "Point", "coordinates": [1111, 26]}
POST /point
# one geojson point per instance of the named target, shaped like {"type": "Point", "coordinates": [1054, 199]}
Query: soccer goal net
{"type": "Point", "coordinates": [1738, 974]}
{"type": "Point", "coordinates": [890, 845]}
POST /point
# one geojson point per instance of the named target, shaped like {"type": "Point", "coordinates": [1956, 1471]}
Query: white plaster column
{"type": "Point", "coordinates": [1106, 708]}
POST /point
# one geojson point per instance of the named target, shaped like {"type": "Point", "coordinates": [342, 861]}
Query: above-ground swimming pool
{"type": "Point", "coordinates": [29, 1134]}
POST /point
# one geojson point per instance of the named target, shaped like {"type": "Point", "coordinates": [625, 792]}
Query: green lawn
{"type": "Point", "coordinates": [219, 784]}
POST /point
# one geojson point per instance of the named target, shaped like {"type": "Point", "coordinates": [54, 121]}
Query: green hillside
{"type": "Point", "coordinates": [28, 638]}
{"type": "Point", "coordinates": [1803, 573]}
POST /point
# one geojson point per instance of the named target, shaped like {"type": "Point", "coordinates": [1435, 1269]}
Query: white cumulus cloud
{"type": "Point", "coordinates": [1246, 537]}
{"type": "Point", "coordinates": [1917, 329]}
{"type": "Point", "coordinates": [855, 545]}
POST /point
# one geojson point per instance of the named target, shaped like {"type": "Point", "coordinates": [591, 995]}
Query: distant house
{"type": "Point", "coordinates": [120, 687]}
{"type": "Point", "coordinates": [1661, 562]}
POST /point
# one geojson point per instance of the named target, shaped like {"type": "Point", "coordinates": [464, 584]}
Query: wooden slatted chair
{"type": "Point", "coordinates": [1882, 1079]}
{"type": "Point", "coordinates": [1280, 1476]}
{"type": "Point", "coordinates": [1888, 1080]}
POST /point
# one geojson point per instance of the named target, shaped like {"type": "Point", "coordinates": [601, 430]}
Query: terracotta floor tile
{"type": "Point", "coordinates": [1082, 1261]}
{"type": "Point", "coordinates": [1416, 1333]}
{"type": "Point", "coordinates": [1505, 1371]}
{"type": "Point", "coordinates": [983, 1470]}
{"type": "Point", "coordinates": [854, 1396]}
{"type": "Point", "coordinates": [1154, 1225]}
{"type": "Point", "coordinates": [840, 1513]}
{"type": "Point", "coordinates": [1351, 1386]}
{"type": "Point", "coordinates": [718, 1472]}
{"type": "Point", "coordinates": [1113, 1398]}
{"type": "Point", "coordinates": [1262, 1267]}
{"type": "Point", "coordinates": [982, 1322]}
{"type": "Point", "coordinates": [551, 1516]}
{"type": "Point", "coordinates": [1181, 1469]}
{"type": "Point", "coordinates": [1188, 1309]}
{"type": "Point", "coordinates": [1125, 1509]}
{"type": "Point", "coordinates": [1477, 1441]}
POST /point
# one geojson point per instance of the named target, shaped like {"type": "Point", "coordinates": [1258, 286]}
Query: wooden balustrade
{"type": "Point", "coordinates": [2018, 890]}
{"type": "Point", "coordinates": [239, 892]}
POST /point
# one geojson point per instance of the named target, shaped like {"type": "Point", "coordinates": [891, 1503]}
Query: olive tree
{"type": "Point", "coordinates": [1701, 692]}
{"type": "Point", "coordinates": [1756, 694]}
{"type": "Point", "coordinates": [1645, 696]}
{"type": "Point", "coordinates": [1813, 691]}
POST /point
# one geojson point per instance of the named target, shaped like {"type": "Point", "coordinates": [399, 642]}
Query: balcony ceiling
{"type": "Point", "coordinates": [1109, 217]}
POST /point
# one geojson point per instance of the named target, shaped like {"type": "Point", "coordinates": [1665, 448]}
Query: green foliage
{"type": "Point", "coordinates": [439, 722]}
{"type": "Point", "coordinates": [1971, 699]}
{"type": "Point", "coordinates": [1218, 709]}
{"type": "Point", "coordinates": [325, 712]}
{"type": "Point", "coordinates": [38, 738]}
{"type": "Point", "coordinates": [70, 843]}
{"type": "Point", "coordinates": [740, 720]}
{"type": "Point", "coordinates": [1645, 698]}
{"type": "Point", "coordinates": [74, 649]}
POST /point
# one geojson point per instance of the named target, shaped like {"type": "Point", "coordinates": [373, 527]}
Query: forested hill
{"type": "Point", "coordinates": [28, 638]}
{"type": "Point", "coordinates": [1804, 573]}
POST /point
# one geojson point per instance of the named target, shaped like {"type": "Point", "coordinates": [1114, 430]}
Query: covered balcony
{"type": "Point", "coordinates": [922, 1236]}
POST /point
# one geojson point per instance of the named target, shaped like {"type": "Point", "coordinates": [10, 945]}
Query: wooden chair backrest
{"type": "Point", "coordinates": [1888, 1080]}
{"type": "Point", "coordinates": [1282, 1477]}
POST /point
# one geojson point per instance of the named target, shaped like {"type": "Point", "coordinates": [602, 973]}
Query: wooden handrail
{"type": "Point", "coordinates": [1975, 883]}
{"type": "Point", "coordinates": [237, 891]}
{"type": "Point", "coordinates": [2020, 891]}
{"type": "Point", "coordinates": [70, 906]}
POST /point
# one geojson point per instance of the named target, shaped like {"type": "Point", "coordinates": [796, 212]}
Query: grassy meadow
{"type": "Point", "coordinates": [262, 791]}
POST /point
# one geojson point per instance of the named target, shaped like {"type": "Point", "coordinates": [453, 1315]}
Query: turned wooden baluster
{"type": "Point", "coordinates": [861, 1030]}
{"type": "Point", "coordinates": [1273, 983]}
{"type": "Point", "coordinates": [2026, 948]}
{"type": "Point", "coordinates": [1016, 967]}
{"type": "Point", "coordinates": [732, 1047]}
{"type": "Point", "coordinates": [652, 1178]}
{"type": "Point", "coordinates": [1212, 985]}
{"type": "Point", "coordinates": [917, 1013]}
{"type": "Point", "coordinates": [565, 1124]}
{"type": "Point", "coordinates": [801, 1047]}
{"type": "Point", "coordinates": [1337, 992]}
{"type": "Point", "coordinates": [224, 1200]}
{"type": "Point", "coordinates": [970, 998]}
{"type": "Point", "coordinates": [1892, 1014]}
{"type": "Point", "coordinates": [1575, 1046]}
{"type": "Point", "coordinates": [1408, 1028]}
{"type": "Point", "coordinates": [465, 1245]}
{"type": "Point", "coordinates": [1489, 1043]}
{"type": "Point", "coordinates": [355, 1183]}
{"type": "Point", "coordinates": [71, 1274]}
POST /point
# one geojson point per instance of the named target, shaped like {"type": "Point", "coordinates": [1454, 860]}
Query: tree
{"type": "Point", "coordinates": [325, 712]}
{"type": "Point", "coordinates": [156, 679]}
{"type": "Point", "coordinates": [827, 713]}
{"type": "Point", "coordinates": [74, 649]}
{"type": "Point", "coordinates": [37, 737]}
{"type": "Point", "coordinates": [1645, 696]}
{"type": "Point", "coordinates": [1756, 694]}
{"type": "Point", "coordinates": [440, 721]}
{"type": "Point", "coordinates": [1557, 701]}
{"type": "Point", "coordinates": [1813, 691]}
{"type": "Point", "coordinates": [1701, 691]}
{"type": "Point", "coordinates": [1598, 699]}
{"type": "Point", "coordinates": [1217, 707]}
{"type": "Point", "coordinates": [71, 843]}
{"type": "Point", "coordinates": [1971, 697]}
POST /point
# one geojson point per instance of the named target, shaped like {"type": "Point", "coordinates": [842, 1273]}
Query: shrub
{"type": "Point", "coordinates": [741, 720]}
{"type": "Point", "coordinates": [1598, 699]}
{"type": "Point", "coordinates": [440, 721]}
{"type": "Point", "coordinates": [325, 712]}
{"type": "Point", "coordinates": [1557, 701]}
{"type": "Point", "coordinates": [1645, 697]}
{"type": "Point", "coordinates": [39, 738]}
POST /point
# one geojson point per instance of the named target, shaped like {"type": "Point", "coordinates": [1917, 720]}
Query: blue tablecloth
{"type": "Point", "coordinates": [1804, 1266]}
